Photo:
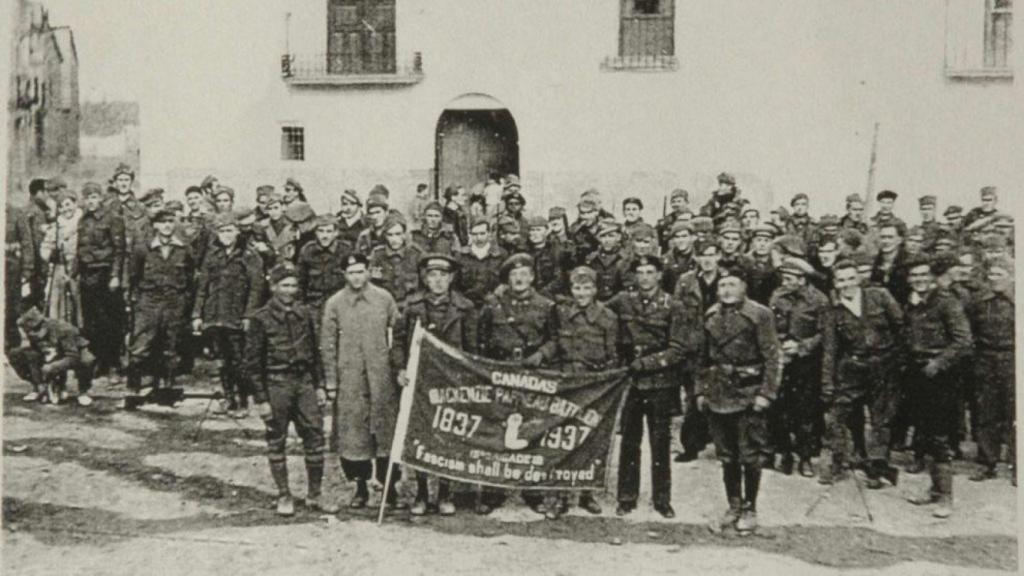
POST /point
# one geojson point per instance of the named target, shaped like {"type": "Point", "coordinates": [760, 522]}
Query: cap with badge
{"type": "Point", "coordinates": [556, 213]}
{"type": "Point", "coordinates": [433, 206]}
{"type": "Point", "coordinates": [679, 226]}
{"type": "Point", "coordinates": [356, 260]}
{"type": "Point", "coordinates": [680, 193]}
{"type": "Point", "coordinates": [224, 220]}
{"type": "Point", "coordinates": [854, 199]}
{"type": "Point", "coordinates": [282, 271]}
{"type": "Point", "coordinates": [703, 224]}
{"type": "Point", "coordinates": [513, 195]}
{"type": "Point", "coordinates": [583, 275]}
{"type": "Point", "coordinates": [796, 267]}
{"type": "Point", "coordinates": [798, 197]}
{"type": "Point", "coordinates": [730, 227]}
{"type": "Point", "coordinates": [886, 195]}
{"type": "Point", "coordinates": [430, 262]}
{"type": "Point", "coordinates": [326, 221]}
{"type": "Point", "coordinates": [520, 260]}
{"type": "Point", "coordinates": [537, 222]}
{"type": "Point", "coordinates": [352, 196]}
{"type": "Point", "coordinates": [927, 201]}
{"type": "Point", "coordinates": [376, 201]}
{"type": "Point", "coordinates": [123, 168]}
{"type": "Point", "coordinates": [953, 210]}
{"type": "Point", "coordinates": [152, 195]}
{"type": "Point", "coordinates": [607, 228]}
{"type": "Point", "coordinates": [989, 191]}
{"type": "Point", "coordinates": [91, 188]}
{"type": "Point", "coordinates": [727, 178]}
{"type": "Point", "coordinates": [643, 231]}
{"type": "Point", "coordinates": [764, 231]}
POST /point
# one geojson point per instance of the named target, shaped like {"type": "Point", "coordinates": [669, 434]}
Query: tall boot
{"type": "Point", "coordinates": [279, 471]}
{"type": "Point", "coordinates": [943, 477]}
{"type": "Point", "coordinates": [732, 477]}
{"type": "Point", "coordinates": [748, 512]}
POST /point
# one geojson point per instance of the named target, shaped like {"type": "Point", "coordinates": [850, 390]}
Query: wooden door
{"type": "Point", "coordinates": [361, 36]}
{"type": "Point", "coordinates": [472, 143]}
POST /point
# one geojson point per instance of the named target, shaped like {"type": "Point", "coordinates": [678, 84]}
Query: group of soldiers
{"type": "Point", "coordinates": [779, 340]}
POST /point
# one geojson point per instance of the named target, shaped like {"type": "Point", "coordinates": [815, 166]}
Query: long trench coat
{"type": "Point", "coordinates": [355, 341]}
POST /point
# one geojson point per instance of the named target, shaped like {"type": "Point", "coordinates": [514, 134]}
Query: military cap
{"type": "Point", "coordinates": [123, 168]}
{"type": "Point", "coordinates": [293, 183]}
{"type": "Point", "coordinates": [781, 211]}
{"type": "Point", "coordinates": [828, 221]}
{"type": "Point", "coordinates": [274, 198]}
{"type": "Point", "coordinates": [953, 210]}
{"type": "Point", "coordinates": [916, 261]}
{"type": "Point", "coordinates": [355, 260]}
{"type": "Point", "coordinates": [633, 200]}
{"type": "Point", "coordinates": [764, 230]}
{"type": "Point", "coordinates": [702, 246]}
{"type": "Point", "coordinates": [31, 320]}
{"type": "Point", "coordinates": [536, 222]}
{"type": "Point", "coordinates": [680, 193]}
{"type": "Point", "coordinates": [927, 200]}
{"type": "Point", "coordinates": [799, 196]}
{"type": "Point", "coordinates": [393, 220]}
{"type": "Point", "coordinates": [886, 194]}
{"type": "Point", "coordinates": [989, 191]}
{"type": "Point", "coordinates": [727, 178]}
{"type": "Point", "coordinates": [442, 262]}
{"type": "Point", "coordinates": [56, 183]}
{"type": "Point", "coordinates": [224, 219]}
{"type": "Point", "coordinates": [511, 182]}
{"type": "Point", "coordinates": [245, 217]}
{"type": "Point", "coordinates": [994, 242]}
{"type": "Point", "coordinates": [263, 191]}
{"type": "Point", "coordinates": [175, 205]}
{"type": "Point", "coordinates": [91, 188]}
{"type": "Point", "coordinates": [587, 205]}
{"type": "Point", "coordinates": [208, 181]}
{"type": "Point", "coordinates": [352, 196]}
{"type": "Point", "coordinates": [748, 209]}
{"type": "Point", "coordinates": [703, 224]}
{"type": "Point", "coordinates": [583, 275]}
{"type": "Point", "coordinates": [790, 245]}
{"type": "Point", "coordinates": [590, 193]}
{"type": "Point", "coordinates": [644, 231]}
{"type": "Point", "coordinates": [506, 223]}
{"type": "Point", "coordinates": [193, 190]}
{"type": "Point", "coordinates": [915, 233]}
{"type": "Point", "coordinates": [379, 190]}
{"type": "Point", "coordinates": [165, 215]}
{"type": "Point", "coordinates": [730, 227]}
{"type": "Point", "coordinates": [796, 267]}
{"type": "Point", "coordinates": [556, 213]}
{"type": "Point", "coordinates": [646, 260]}
{"type": "Point", "coordinates": [942, 263]}
{"type": "Point", "coordinates": [283, 270]}
{"type": "Point", "coordinates": [520, 260]}
{"type": "Point", "coordinates": [854, 199]}
{"type": "Point", "coordinates": [376, 201]}
{"type": "Point", "coordinates": [435, 206]}
{"type": "Point", "coordinates": [513, 194]}
{"type": "Point", "coordinates": [152, 195]}
{"type": "Point", "coordinates": [224, 190]}
{"type": "Point", "coordinates": [477, 220]}
{"type": "Point", "coordinates": [299, 212]}
{"type": "Point", "coordinates": [326, 220]}
{"type": "Point", "coordinates": [607, 228]}
{"type": "Point", "coordinates": [679, 226]}
{"type": "Point", "coordinates": [733, 271]}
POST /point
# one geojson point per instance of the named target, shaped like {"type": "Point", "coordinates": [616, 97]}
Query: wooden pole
{"type": "Point", "coordinates": [868, 194]}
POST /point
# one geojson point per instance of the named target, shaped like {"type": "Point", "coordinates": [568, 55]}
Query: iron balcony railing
{"type": "Point", "coordinates": [346, 69]}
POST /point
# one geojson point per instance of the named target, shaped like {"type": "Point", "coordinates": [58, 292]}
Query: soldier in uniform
{"type": "Point", "coordinates": [509, 237]}
{"type": "Point", "coordinates": [454, 215]}
{"type": "Point", "coordinates": [161, 279]}
{"type": "Point", "coordinates": [451, 317]}
{"type": "Point", "coordinates": [282, 364]}
{"type": "Point", "coordinates": [658, 339]}
{"type": "Point", "coordinates": [53, 348]}
{"type": "Point", "coordinates": [697, 288]}
{"type": "Point", "coordinates": [514, 203]}
{"type": "Point", "coordinates": [583, 232]}
{"type": "Point", "coordinates": [800, 222]}
{"type": "Point", "coordinates": [938, 337]}
{"type": "Point", "coordinates": [350, 217]}
{"type": "Point", "coordinates": [609, 261]}
{"type": "Point", "coordinates": [989, 198]}
{"type": "Point", "coordinates": [854, 217]}
{"type": "Point", "coordinates": [703, 228]}
{"type": "Point", "coordinates": [730, 240]}
{"type": "Point", "coordinates": [136, 218]}
{"type": "Point", "coordinates": [860, 348]}
{"type": "Point", "coordinates": [551, 260]}
{"type": "Point", "coordinates": [725, 201]}
{"type": "Point", "coordinates": [800, 311]}
{"type": "Point", "coordinates": [632, 216]}
{"type": "Point", "coordinates": [679, 257]}
{"type": "Point", "coordinates": [433, 235]}
{"type": "Point", "coordinates": [229, 290]}
{"type": "Point", "coordinates": [954, 216]}
{"type": "Point", "coordinates": [516, 325]}
{"type": "Point", "coordinates": [276, 238]}
{"type": "Point", "coordinates": [914, 243]}
{"type": "Point", "coordinates": [393, 266]}
{"type": "Point", "coordinates": [373, 235]}
{"type": "Point", "coordinates": [749, 220]}
{"type": "Point", "coordinates": [479, 262]}
{"type": "Point", "coordinates": [558, 227]}
{"type": "Point", "coordinates": [991, 315]}
{"type": "Point", "coordinates": [762, 278]}
{"type": "Point", "coordinates": [292, 192]}
{"type": "Point", "coordinates": [33, 222]}
{"type": "Point", "coordinates": [321, 265]}
{"type": "Point", "coordinates": [929, 225]}
{"type": "Point", "coordinates": [890, 269]}
{"type": "Point", "coordinates": [825, 257]}
{"type": "Point", "coordinates": [100, 257]}
{"type": "Point", "coordinates": [737, 384]}
{"type": "Point", "coordinates": [224, 199]}
{"type": "Point", "coordinates": [886, 200]}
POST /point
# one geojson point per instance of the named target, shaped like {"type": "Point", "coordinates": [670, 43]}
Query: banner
{"type": "Point", "coordinates": [486, 422]}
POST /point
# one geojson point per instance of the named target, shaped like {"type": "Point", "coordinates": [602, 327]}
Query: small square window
{"type": "Point", "coordinates": [293, 143]}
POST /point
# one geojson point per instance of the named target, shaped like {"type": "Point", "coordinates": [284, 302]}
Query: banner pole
{"type": "Point", "coordinates": [404, 409]}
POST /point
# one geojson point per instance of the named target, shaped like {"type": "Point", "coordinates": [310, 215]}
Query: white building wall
{"type": "Point", "coordinates": [784, 94]}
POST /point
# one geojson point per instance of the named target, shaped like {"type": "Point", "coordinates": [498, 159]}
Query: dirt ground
{"type": "Point", "coordinates": [99, 491]}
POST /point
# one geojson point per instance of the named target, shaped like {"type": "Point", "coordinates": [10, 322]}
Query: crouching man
{"type": "Point", "coordinates": [282, 363]}
{"type": "Point", "coordinates": [739, 381]}
{"type": "Point", "coordinates": [53, 348]}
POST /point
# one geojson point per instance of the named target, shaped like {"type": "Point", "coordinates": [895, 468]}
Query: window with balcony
{"type": "Point", "coordinates": [979, 39]}
{"type": "Point", "coordinates": [361, 49]}
{"type": "Point", "coordinates": [646, 36]}
{"type": "Point", "coordinates": [293, 143]}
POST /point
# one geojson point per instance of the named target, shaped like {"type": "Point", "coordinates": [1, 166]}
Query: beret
{"type": "Point", "coordinates": [151, 195]}
{"type": "Point", "coordinates": [31, 320]}
{"type": "Point", "coordinates": [854, 199]}
{"type": "Point", "coordinates": [828, 220]}
{"type": "Point", "coordinates": [326, 220]}
{"type": "Point", "coordinates": [556, 213]}
{"type": "Point", "coordinates": [796, 267]}
{"type": "Point", "coordinates": [679, 226]}
{"type": "Point", "coordinates": [165, 215]}
{"type": "Point", "coordinates": [123, 168]}
{"type": "Point", "coordinates": [927, 200]}
{"type": "Point", "coordinates": [732, 271]}
{"type": "Point", "coordinates": [681, 193]}
{"type": "Point", "coordinates": [91, 188]}
{"type": "Point", "coordinates": [583, 275]}
{"type": "Point", "coordinates": [355, 260]}
{"type": "Point", "coordinates": [702, 224]}
{"type": "Point", "coordinates": [352, 196]}
{"type": "Point", "coordinates": [299, 212]}
{"type": "Point", "coordinates": [435, 206]}
{"type": "Point", "coordinates": [222, 190]}
{"type": "Point", "coordinates": [953, 210]}
{"type": "Point", "coordinates": [633, 200]}
{"type": "Point", "coordinates": [726, 178]}
{"type": "Point", "coordinates": [587, 205]}
{"type": "Point", "coordinates": [264, 190]}
{"type": "Point", "coordinates": [646, 260]}
{"type": "Point", "coordinates": [430, 262]}
{"type": "Point", "coordinates": [942, 263]}
{"type": "Point", "coordinates": [608, 228]}
{"type": "Point", "coordinates": [224, 219]}
{"type": "Point", "coordinates": [175, 205]}
{"type": "Point", "coordinates": [537, 222]}
{"type": "Point", "coordinates": [376, 201]}
{"type": "Point", "coordinates": [282, 271]}
{"type": "Point", "coordinates": [989, 191]}
{"type": "Point", "coordinates": [519, 260]}
{"type": "Point", "coordinates": [790, 245]}
{"type": "Point", "coordinates": [799, 196]}
{"type": "Point", "coordinates": [886, 194]}
{"type": "Point", "coordinates": [702, 246]}
{"type": "Point", "coordinates": [764, 230]}
{"type": "Point", "coordinates": [293, 183]}
{"type": "Point", "coordinates": [511, 181]}
{"type": "Point", "coordinates": [644, 231]}
{"type": "Point", "coordinates": [379, 190]}
{"type": "Point", "coordinates": [209, 180]}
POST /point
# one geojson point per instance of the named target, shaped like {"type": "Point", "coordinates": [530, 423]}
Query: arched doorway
{"type": "Point", "coordinates": [475, 135]}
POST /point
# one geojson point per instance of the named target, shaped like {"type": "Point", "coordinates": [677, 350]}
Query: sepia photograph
{"type": "Point", "coordinates": [525, 287]}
